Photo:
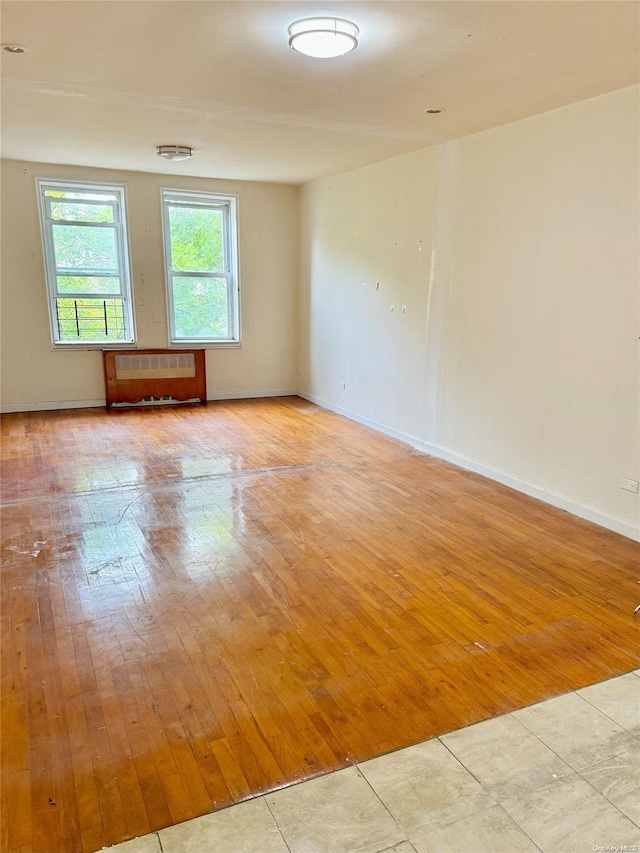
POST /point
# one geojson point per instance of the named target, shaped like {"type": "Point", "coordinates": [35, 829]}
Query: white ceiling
{"type": "Point", "coordinates": [103, 82]}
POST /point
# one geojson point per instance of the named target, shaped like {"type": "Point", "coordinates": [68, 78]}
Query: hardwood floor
{"type": "Point", "coordinates": [203, 603]}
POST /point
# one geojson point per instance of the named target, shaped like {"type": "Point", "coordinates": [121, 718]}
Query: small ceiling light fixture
{"type": "Point", "coordinates": [323, 38]}
{"type": "Point", "coordinates": [174, 152]}
{"type": "Point", "coordinates": [13, 48]}
{"type": "Point", "coordinates": [434, 112]}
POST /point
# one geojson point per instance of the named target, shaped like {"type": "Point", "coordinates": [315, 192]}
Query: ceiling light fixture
{"type": "Point", "coordinates": [174, 152]}
{"type": "Point", "coordinates": [434, 112]}
{"type": "Point", "coordinates": [13, 48]}
{"type": "Point", "coordinates": [323, 38]}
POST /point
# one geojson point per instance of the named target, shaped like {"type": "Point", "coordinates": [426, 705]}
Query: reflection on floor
{"type": "Point", "coordinates": [201, 605]}
{"type": "Point", "coordinates": [557, 777]}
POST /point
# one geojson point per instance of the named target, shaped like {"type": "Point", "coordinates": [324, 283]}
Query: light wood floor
{"type": "Point", "coordinates": [203, 603]}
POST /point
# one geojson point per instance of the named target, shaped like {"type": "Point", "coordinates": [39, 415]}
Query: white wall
{"type": "Point", "coordinates": [361, 228]}
{"type": "Point", "coordinates": [33, 375]}
{"type": "Point", "coordinates": [518, 354]}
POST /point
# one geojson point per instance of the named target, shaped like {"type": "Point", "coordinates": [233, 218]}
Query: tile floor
{"type": "Point", "coordinates": [557, 777]}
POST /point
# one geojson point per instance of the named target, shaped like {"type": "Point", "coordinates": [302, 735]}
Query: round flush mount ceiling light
{"type": "Point", "coordinates": [13, 48]}
{"type": "Point", "coordinates": [323, 38]}
{"type": "Point", "coordinates": [174, 152]}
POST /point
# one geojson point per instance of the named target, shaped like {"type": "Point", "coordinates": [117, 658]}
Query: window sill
{"type": "Point", "coordinates": [205, 344]}
{"type": "Point", "coordinates": [68, 347]}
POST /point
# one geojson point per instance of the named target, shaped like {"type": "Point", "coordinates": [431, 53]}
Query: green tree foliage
{"type": "Point", "coordinates": [197, 246]}
{"type": "Point", "coordinates": [89, 249]}
{"type": "Point", "coordinates": [196, 239]}
{"type": "Point", "coordinates": [85, 247]}
{"type": "Point", "coordinates": [79, 211]}
{"type": "Point", "coordinates": [200, 306]}
{"type": "Point", "coordinates": [200, 303]}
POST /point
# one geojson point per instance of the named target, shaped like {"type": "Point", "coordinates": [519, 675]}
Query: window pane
{"type": "Point", "coordinates": [200, 307]}
{"type": "Point", "coordinates": [83, 194]}
{"type": "Point", "coordinates": [88, 284]}
{"type": "Point", "coordinates": [196, 239]}
{"type": "Point", "coordinates": [81, 212]}
{"type": "Point", "coordinates": [90, 319]}
{"type": "Point", "coordinates": [83, 247]}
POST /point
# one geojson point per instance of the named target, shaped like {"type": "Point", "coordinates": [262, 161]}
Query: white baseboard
{"type": "Point", "coordinates": [248, 395]}
{"type": "Point", "coordinates": [9, 408]}
{"type": "Point", "coordinates": [611, 522]}
{"type": "Point", "coordinates": [376, 425]}
{"type": "Point", "coordinates": [51, 405]}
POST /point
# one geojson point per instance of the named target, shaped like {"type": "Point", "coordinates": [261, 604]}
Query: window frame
{"type": "Point", "coordinates": [231, 242]}
{"type": "Point", "coordinates": [52, 272]}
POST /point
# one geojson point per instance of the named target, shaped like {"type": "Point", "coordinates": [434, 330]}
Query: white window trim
{"type": "Point", "coordinates": [123, 249]}
{"type": "Point", "coordinates": [231, 200]}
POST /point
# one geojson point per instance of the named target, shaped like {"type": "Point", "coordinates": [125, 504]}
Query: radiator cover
{"type": "Point", "coordinates": [134, 376]}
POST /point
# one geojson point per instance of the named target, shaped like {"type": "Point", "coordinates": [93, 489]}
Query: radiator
{"type": "Point", "coordinates": [154, 376]}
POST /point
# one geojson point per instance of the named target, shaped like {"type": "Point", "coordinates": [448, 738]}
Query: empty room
{"type": "Point", "coordinates": [320, 424]}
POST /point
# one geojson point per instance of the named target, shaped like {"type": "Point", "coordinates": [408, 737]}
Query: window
{"type": "Point", "coordinates": [87, 263]}
{"type": "Point", "coordinates": [201, 256]}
